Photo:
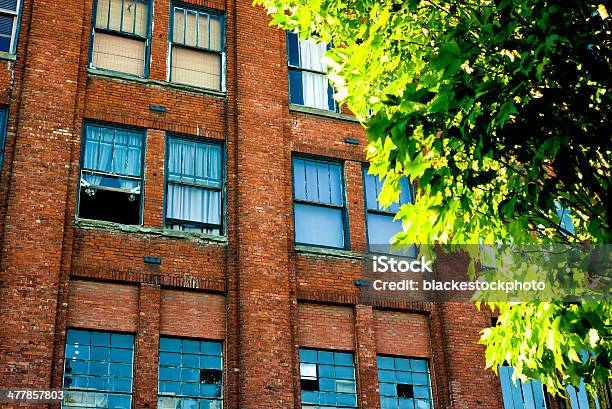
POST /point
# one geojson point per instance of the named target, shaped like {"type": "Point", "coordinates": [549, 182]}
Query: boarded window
{"type": "Point", "coordinates": [198, 48]}
{"type": "Point", "coordinates": [120, 36]}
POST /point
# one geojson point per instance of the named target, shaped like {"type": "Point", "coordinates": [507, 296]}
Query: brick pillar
{"type": "Point", "coordinates": [154, 178]}
{"type": "Point", "coordinates": [262, 155]}
{"type": "Point", "coordinates": [367, 370]}
{"type": "Point", "coordinates": [354, 194]}
{"type": "Point", "coordinates": [159, 40]}
{"type": "Point", "coordinates": [36, 209]}
{"type": "Point", "coordinates": [469, 384]}
{"type": "Point", "coordinates": [147, 347]}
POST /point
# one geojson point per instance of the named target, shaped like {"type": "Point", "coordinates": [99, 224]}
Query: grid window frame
{"type": "Point", "coordinates": [146, 38]}
{"type": "Point", "coordinates": [184, 349]}
{"type": "Point", "coordinates": [169, 222]}
{"type": "Point", "coordinates": [172, 42]}
{"type": "Point", "coordinates": [292, 67]}
{"type": "Point", "coordinates": [15, 15]}
{"type": "Point", "coordinates": [335, 373]}
{"type": "Point", "coordinates": [394, 371]}
{"type": "Point", "coordinates": [379, 211]}
{"type": "Point", "coordinates": [115, 350]}
{"type": "Point", "coordinates": [342, 208]}
{"type": "Point", "coordinates": [140, 179]}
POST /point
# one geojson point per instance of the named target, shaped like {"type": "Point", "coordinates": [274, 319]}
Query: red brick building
{"type": "Point", "coordinates": [147, 200]}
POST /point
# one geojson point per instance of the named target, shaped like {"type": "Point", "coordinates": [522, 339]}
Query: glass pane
{"type": "Point", "coordinates": [122, 341]}
{"type": "Point", "coordinates": [308, 355]}
{"type": "Point", "coordinates": [193, 204]}
{"type": "Point", "coordinates": [78, 337]}
{"type": "Point", "coordinates": [216, 33]}
{"type": "Point", "coordinates": [299, 179]}
{"type": "Point", "coordinates": [381, 228]}
{"type": "Point", "coordinates": [319, 225]}
{"type": "Point", "coordinates": [6, 32]}
{"type": "Point", "coordinates": [197, 68]}
{"type": "Point", "coordinates": [211, 348]}
{"type": "Point", "coordinates": [190, 28]}
{"type": "Point", "coordinates": [170, 344]}
{"type": "Point", "coordinates": [178, 26]}
{"type": "Point", "coordinates": [296, 91]}
{"type": "Point", "coordinates": [114, 15]}
{"type": "Point", "coordinates": [189, 346]}
{"type": "Point", "coordinates": [308, 370]}
{"type": "Point", "coordinates": [117, 53]}
{"type": "Point", "coordinates": [8, 5]}
{"type": "Point", "coordinates": [293, 50]}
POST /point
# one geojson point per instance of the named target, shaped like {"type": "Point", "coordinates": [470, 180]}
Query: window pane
{"type": "Point", "coordinates": [178, 26]}
{"type": "Point", "coordinates": [6, 32]}
{"type": "Point", "coordinates": [8, 5]}
{"type": "Point", "coordinates": [397, 378]}
{"type": "Point", "coordinates": [311, 54]}
{"type": "Point", "coordinates": [293, 49]}
{"type": "Point", "coordinates": [216, 33]}
{"type": "Point", "coordinates": [194, 204]}
{"type": "Point", "coordinates": [315, 90]}
{"type": "Point", "coordinates": [186, 367]}
{"type": "Point", "coordinates": [95, 371]}
{"type": "Point", "coordinates": [111, 52]}
{"type": "Point", "coordinates": [196, 67]}
{"type": "Point", "coordinates": [319, 225]}
{"type": "Point", "coordinates": [296, 92]}
{"type": "Point", "coordinates": [191, 30]}
{"type": "Point", "coordinates": [321, 381]}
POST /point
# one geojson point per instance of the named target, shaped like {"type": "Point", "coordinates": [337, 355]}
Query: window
{"type": "Point", "coordinates": [327, 379]}
{"type": "Point", "coordinates": [98, 370]}
{"type": "Point", "coordinates": [308, 84]}
{"type": "Point", "coordinates": [404, 383]}
{"type": "Point", "coordinates": [120, 36]}
{"type": "Point", "coordinates": [380, 224]}
{"type": "Point", "coordinates": [194, 186]}
{"type": "Point", "coordinates": [3, 118]}
{"type": "Point", "coordinates": [318, 197]}
{"type": "Point", "coordinates": [111, 175]}
{"type": "Point", "coordinates": [197, 47]}
{"type": "Point", "coordinates": [529, 395]}
{"type": "Point", "coordinates": [190, 374]}
{"type": "Point", "coordinates": [9, 22]}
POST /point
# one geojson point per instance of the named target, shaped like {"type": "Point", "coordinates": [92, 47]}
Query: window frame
{"type": "Point", "coordinates": [343, 208]}
{"type": "Point", "coordinates": [16, 26]}
{"type": "Point", "coordinates": [143, 150]}
{"type": "Point", "coordinates": [4, 112]}
{"type": "Point", "coordinates": [99, 331]}
{"type": "Point", "coordinates": [429, 363]}
{"type": "Point", "coordinates": [364, 171]}
{"type": "Point", "coordinates": [146, 39]}
{"type": "Point", "coordinates": [291, 67]}
{"type": "Point", "coordinates": [223, 53]}
{"type": "Point", "coordinates": [223, 189]}
{"type": "Point", "coordinates": [318, 376]}
{"type": "Point", "coordinates": [223, 368]}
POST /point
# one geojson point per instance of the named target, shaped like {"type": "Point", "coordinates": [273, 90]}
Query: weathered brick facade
{"type": "Point", "coordinates": [253, 288]}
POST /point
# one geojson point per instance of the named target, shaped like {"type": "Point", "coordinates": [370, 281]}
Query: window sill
{"type": "Point", "coordinates": [321, 112]}
{"type": "Point", "coordinates": [165, 84]}
{"type": "Point", "coordinates": [327, 252]}
{"type": "Point", "coordinates": [90, 224]}
{"type": "Point", "coordinates": [7, 56]}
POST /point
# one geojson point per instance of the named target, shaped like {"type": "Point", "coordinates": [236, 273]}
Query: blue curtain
{"type": "Point", "coordinates": [318, 182]}
{"type": "Point", "coordinates": [115, 151]}
{"type": "Point", "coordinates": [194, 168]}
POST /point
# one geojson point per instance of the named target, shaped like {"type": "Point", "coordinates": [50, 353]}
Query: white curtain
{"type": "Point", "coordinates": [315, 86]}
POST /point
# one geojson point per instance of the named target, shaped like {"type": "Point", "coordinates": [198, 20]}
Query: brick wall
{"type": "Point", "coordinates": [251, 288]}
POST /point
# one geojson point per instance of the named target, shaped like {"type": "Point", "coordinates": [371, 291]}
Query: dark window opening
{"type": "Point", "coordinates": [210, 376]}
{"type": "Point", "coordinates": [109, 205]}
{"type": "Point", "coordinates": [405, 391]}
{"type": "Point", "coordinates": [309, 384]}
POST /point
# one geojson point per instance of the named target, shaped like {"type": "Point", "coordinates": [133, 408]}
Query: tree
{"type": "Point", "coordinates": [497, 110]}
